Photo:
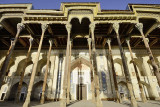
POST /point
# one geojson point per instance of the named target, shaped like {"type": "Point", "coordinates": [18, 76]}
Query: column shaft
{"type": "Point", "coordinates": [137, 75]}
{"type": "Point", "coordinates": [92, 74]}
{"type": "Point", "coordinates": [69, 75]}
{"type": "Point", "coordinates": [27, 101]}
{"type": "Point", "coordinates": [154, 65]}
{"type": "Point", "coordinates": [118, 99]}
{"type": "Point", "coordinates": [63, 101]}
{"type": "Point", "coordinates": [126, 70]}
{"type": "Point", "coordinates": [23, 71]}
{"type": "Point", "coordinates": [20, 26]}
{"type": "Point", "coordinates": [46, 74]}
{"type": "Point", "coordinates": [98, 99]}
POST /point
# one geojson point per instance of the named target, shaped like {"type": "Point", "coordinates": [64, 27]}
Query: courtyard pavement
{"type": "Point", "coordinates": [82, 103]}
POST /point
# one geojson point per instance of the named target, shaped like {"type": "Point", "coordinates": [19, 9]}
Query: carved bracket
{"type": "Point", "coordinates": [20, 26]}
{"type": "Point", "coordinates": [44, 27]}
{"type": "Point", "coordinates": [116, 27]}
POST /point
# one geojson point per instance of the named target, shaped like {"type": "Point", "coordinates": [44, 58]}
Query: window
{"type": "Point", "coordinates": [104, 84]}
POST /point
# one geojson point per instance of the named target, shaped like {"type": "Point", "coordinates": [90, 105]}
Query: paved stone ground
{"type": "Point", "coordinates": [82, 104]}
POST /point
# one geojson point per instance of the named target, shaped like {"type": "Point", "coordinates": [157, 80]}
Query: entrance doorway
{"type": "Point", "coordinates": [22, 97]}
{"type": "Point", "coordinates": [81, 92]}
{"type": "Point", "coordinates": [3, 95]}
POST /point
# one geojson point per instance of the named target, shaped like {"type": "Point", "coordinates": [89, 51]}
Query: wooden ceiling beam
{"type": "Point", "coordinates": [110, 30]}
{"type": "Point", "coordinates": [130, 29]}
{"type": "Point", "coordinates": [5, 42]}
{"type": "Point", "coordinates": [55, 42]}
{"type": "Point", "coordinates": [104, 42]}
{"type": "Point", "coordinates": [154, 26]}
{"type": "Point", "coordinates": [153, 42]}
{"type": "Point", "coordinates": [50, 30]}
{"type": "Point", "coordinates": [12, 31]}
{"type": "Point", "coordinates": [137, 43]}
{"type": "Point", "coordinates": [29, 30]}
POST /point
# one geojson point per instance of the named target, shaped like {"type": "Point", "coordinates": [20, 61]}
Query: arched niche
{"type": "Point", "coordinates": [140, 67]}
{"type": "Point", "coordinates": [37, 91]}
{"type": "Point", "coordinates": [14, 91]}
{"type": "Point", "coordinates": [150, 65]}
{"type": "Point", "coordinates": [28, 69]}
{"type": "Point", "coordinates": [4, 90]}
{"type": "Point", "coordinates": [41, 64]}
{"type": "Point", "coordinates": [21, 66]}
{"type": "Point", "coordinates": [118, 67]}
{"type": "Point", "coordinates": [11, 63]}
{"type": "Point", "coordinates": [43, 70]}
{"type": "Point", "coordinates": [81, 60]}
{"type": "Point", "coordinates": [80, 27]}
{"type": "Point", "coordinates": [123, 90]}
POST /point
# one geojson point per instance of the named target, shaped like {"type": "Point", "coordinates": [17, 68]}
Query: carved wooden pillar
{"type": "Point", "coordinates": [23, 71]}
{"type": "Point", "coordinates": [137, 75]}
{"type": "Point", "coordinates": [79, 81]}
{"type": "Point", "coordinates": [118, 99]}
{"type": "Point", "coordinates": [92, 78]}
{"type": "Point", "coordinates": [126, 71]}
{"type": "Point", "coordinates": [154, 65]}
{"type": "Point", "coordinates": [20, 26]}
{"type": "Point", "coordinates": [98, 103]}
{"type": "Point", "coordinates": [46, 73]}
{"type": "Point", "coordinates": [63, 101]}
{"type": "Point", "coordinates": [69, 73]}
{"type": "Point", "coordinates": [27, 101]}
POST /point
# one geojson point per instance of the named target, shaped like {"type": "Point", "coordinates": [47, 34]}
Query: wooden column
{"type": "Point", "coordinates": [118, 99]}
{"type": "Point", "coordinates": [126, 71]}
{"type": "Point", "coordinates": [63, 101]}
{"type": "Point", "coordinates": [23, 71]}
{"type": "Point", "coordinates": [46, 72]}
{"type": "Point", "coordinates": [69, 73]}
{"type": "Point", "coordinates": [154, 65]}
{"type": "Point", "coordinates": [98, 100]}
{"type": "Point", "coordinates": [20, 26]}
{"type": "Point", "coordinates": [27, 101]}
{"type": "Point", "coordinates": [79, 81]}
{"type": "Point", "coordinates": [137, 75]}
{"type": "Point", "coordinates": [92, 74]}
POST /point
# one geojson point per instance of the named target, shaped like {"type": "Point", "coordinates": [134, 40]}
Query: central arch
{"type": "Point", "coordinates": [80, 79]}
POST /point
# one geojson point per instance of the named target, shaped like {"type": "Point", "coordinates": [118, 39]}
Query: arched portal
{"type": "Point", "coordinates": [37, 91]}
{"type": "Point", "coordinates": [80, 88]}
{"type": "Point", "coordinates": [14, 90]}
{"type": "Point", "coordinates": [123, 90]}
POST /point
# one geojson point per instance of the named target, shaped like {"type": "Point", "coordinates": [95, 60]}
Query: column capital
{"type": "Point", "coordinates": [68, 27]}
{"type": "Point", "coordinates": [92, 26]}
{"type": "Point", "coordinates": [127, 40]}
{"type": "Point", "coordinates": [139, 26]}
{"type": "Point", "coordinates": [116, 27]}
{"type": "Point", "coordinates": [31, 40]}
{"type": "Point", "coordinates": [147, 39]}
{"type": "Point", "coordinates": [20, 26]}
{"type": "Point", "coordinates": [108, 40]}
{"type": "Point", "coordinates": [89, 40]}
{"type": "Point", "coordinates": [51, 41]}
{"type": "Point", "coordinates": [44, 26]}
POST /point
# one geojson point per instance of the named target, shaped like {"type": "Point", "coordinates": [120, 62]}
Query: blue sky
{"type": "Point", "coordinates": [105, 4]}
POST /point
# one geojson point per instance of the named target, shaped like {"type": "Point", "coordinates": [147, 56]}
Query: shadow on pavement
{"type": "Point", "coordinates": [72, 102]}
